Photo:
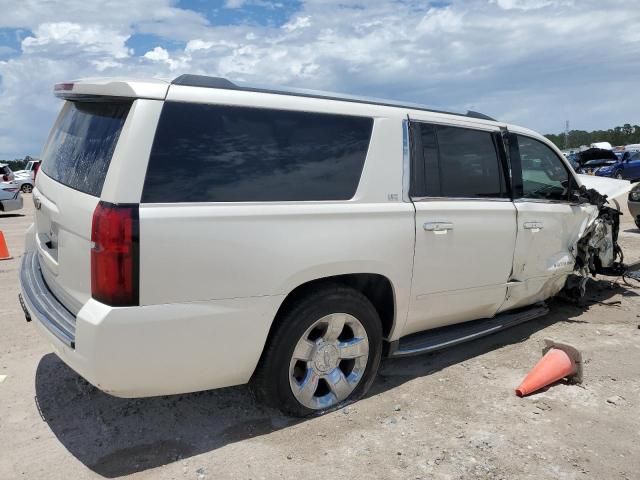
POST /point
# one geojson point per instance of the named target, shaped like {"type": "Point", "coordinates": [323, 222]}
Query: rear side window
{"type": "Point", "coordinates": [458, 162]}
{"type": "Point", "coordinates": [80, 148]}
{"type": "Point", "coordinates": [216, 153]}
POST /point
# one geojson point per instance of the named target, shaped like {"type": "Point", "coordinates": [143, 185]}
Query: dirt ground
{"type": "Point", "coordinates": [449, 415]}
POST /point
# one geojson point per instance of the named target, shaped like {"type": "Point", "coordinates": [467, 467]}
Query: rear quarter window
{"type": "Point", "coordinates": [216, 153]}
{"type": "Point", "coordinates": [81, 145]}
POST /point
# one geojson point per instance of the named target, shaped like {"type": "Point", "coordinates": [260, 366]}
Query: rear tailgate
{"type": "Point", "coordinates": [75, 164]}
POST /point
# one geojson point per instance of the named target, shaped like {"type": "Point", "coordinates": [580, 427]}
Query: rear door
{"type": "Point", "coordinates": [465, 224]}
{"type": "Point", "coordinates": [75, 164]}
{"type": "Point", "coordinates": [549, 224]}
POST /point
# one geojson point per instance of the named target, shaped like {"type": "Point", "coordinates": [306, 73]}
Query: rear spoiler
{"type": "Point", "coordinates": [97, 88]}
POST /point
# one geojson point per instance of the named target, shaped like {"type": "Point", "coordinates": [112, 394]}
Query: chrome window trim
{"type": "Point", "coordinates": [542, 200]}
{"type": "Point", "coordinates": [463, 124]}
{"type": "Point", "coordinates": [460, 199]}
{"type": "Point", "coordinates": [406, 161]}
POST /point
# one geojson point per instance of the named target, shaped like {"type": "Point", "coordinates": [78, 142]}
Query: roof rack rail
{"type": "Point", "coordinates": [225, 84]}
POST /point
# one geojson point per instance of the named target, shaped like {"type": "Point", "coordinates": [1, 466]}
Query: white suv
{"type": "Point", "coordinates": [198, 234]}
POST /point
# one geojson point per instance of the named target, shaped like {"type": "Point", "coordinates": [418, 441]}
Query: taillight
{"type": "Point", "coordinates": [5, 178]}
{"type": "Point", "coordinates": [115, 255]}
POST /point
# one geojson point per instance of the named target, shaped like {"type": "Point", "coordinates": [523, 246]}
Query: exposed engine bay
{"type": "Point", "coordinates": [597, 250]}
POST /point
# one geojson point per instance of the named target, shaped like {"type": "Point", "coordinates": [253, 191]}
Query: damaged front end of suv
{"type": "Point", "coordinates": [597, 250]}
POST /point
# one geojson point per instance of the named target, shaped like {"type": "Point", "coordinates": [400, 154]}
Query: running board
{"type": "Point", "coordinates": [443, 337]}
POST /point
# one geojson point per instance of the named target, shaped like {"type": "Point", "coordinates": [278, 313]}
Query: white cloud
{"type": "Point", "coordinates": [531, 4]}
{"type": "Point", "coordinates": [160, 55]}
{"type": "Point", "coordinates": [89, 38]}
{"type": "Point", "coordinates": [532, 62]}
{"type": "Point", "coordinates": [297, 23]}
{"type": "Point", "coordinates": [234, 3]}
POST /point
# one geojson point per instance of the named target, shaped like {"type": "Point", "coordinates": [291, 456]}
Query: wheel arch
{"type": "Point", "coordinates": [378, 289]}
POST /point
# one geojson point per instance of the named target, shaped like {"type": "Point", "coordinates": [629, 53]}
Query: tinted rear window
{"type": "Point", "coordinates": [81, 146]}
{"type": "Point", "coordinates": [458, 162]}
{"type": "Point", "coordinates": [214, 153]}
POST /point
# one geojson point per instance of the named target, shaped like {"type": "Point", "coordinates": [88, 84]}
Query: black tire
{"type": "Point", "coordinates": [270, 381]}
{"type": "Point", "coordinates": [618, 175]}
{"type": "Point", "coordinates": [637, 222]}
{"type": "Point", "coordinates": [26, 188]}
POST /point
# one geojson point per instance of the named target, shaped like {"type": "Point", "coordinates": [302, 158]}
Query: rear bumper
{"type": "Point", "coordinates": [41, 303]}
{"type": "Point", "coordinates": [159, 349]}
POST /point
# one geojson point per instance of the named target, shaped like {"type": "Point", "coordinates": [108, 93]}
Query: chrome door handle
{"type": "Point", "coordinates": [533, 225]}
{"type": "Point", "coordinates": [438, 226]}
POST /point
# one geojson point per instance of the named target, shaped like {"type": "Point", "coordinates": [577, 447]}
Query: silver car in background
{"type": "Point", "coordinates": [10, 197]}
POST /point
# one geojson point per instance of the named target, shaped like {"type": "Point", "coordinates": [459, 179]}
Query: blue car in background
{"type": "Point", "coordinates": [605, 163]}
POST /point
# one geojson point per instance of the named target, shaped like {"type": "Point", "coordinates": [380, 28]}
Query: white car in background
{"type": "Point", "coordinates": [29, 169]}
{"type": "Point", "coordinates": [24, 183]}
{"type": "Point", "coordinates": [10, 197]}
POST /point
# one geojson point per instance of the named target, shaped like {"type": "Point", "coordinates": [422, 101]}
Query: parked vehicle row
{"type": "Point", "coordinates": [319, 232]}
{"type": "Point", "coordinates": [605, 163]}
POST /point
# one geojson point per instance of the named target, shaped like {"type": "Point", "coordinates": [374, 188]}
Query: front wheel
{"type": "Point", "coordinates": [619, 176]}
{"type": "Point", "coordinates": [26, 188]}
{"type": "Point", "coordinates": [324, 352]}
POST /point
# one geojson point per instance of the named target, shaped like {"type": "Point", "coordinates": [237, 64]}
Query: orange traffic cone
{"type": "Point", "coordinates": [4, 251]}
{"type": "Point", "coordinates": [559, 361]}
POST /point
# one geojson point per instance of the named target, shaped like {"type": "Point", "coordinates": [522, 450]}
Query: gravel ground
{"type": "Point", "coordinates": [451, 414]}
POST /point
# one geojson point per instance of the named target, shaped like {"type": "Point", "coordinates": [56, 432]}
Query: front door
{"type": "Point", "coordinates": [465, 225]}
{"type": "Point", "coordinates": [549, 224]}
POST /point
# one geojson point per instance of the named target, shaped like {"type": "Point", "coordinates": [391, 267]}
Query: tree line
{"type": "Point", "coordinates": [623, 135]}
{"type": "Point", "coordinates": [18, 164]}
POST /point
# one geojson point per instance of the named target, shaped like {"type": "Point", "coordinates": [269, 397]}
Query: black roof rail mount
{"type": "Point", "coordinates": [189, 80]}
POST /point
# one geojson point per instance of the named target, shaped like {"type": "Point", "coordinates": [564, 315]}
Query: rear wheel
{"type": "Point", "coordinates": [324, 353]}
{"type": "Point", "coordinates": [619, 175]}
{"type": "Point", "coordinates": [638, 222]}
{"type": "Point", "coordinates": [26, 188]}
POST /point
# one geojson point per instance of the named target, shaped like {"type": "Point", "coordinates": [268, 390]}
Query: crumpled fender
{"type": "Point", "coordinates": [596, 249]}
{"type": "Point", "coordinates": [611, 187]}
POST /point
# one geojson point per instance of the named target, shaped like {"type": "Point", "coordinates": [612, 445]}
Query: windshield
{"type": "Point", "coordinates": [80, 148]}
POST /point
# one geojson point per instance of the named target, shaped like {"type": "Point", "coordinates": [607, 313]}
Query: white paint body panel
{"type": "Point", "coordinates": [170, 348]}
{"type": "Point", "coordinates": [544, 256]}
{"type": "Point", "coordinates": [611, 187]}
{"type": "Point", "coordinates": [283, 246]}
{"type": "Point", "coordinates": [462, 273]}
{"type": "Point", "coordinates": [120, 87]}
{"type": "Point", "coordinates": [213, 275]}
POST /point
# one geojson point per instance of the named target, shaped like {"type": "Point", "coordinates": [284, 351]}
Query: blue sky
{"type": "Point", "coordinates": [536, 63]}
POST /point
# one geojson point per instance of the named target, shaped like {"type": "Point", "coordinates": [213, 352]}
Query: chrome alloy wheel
{"type": "Point", "coordinates": [329, 361]}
